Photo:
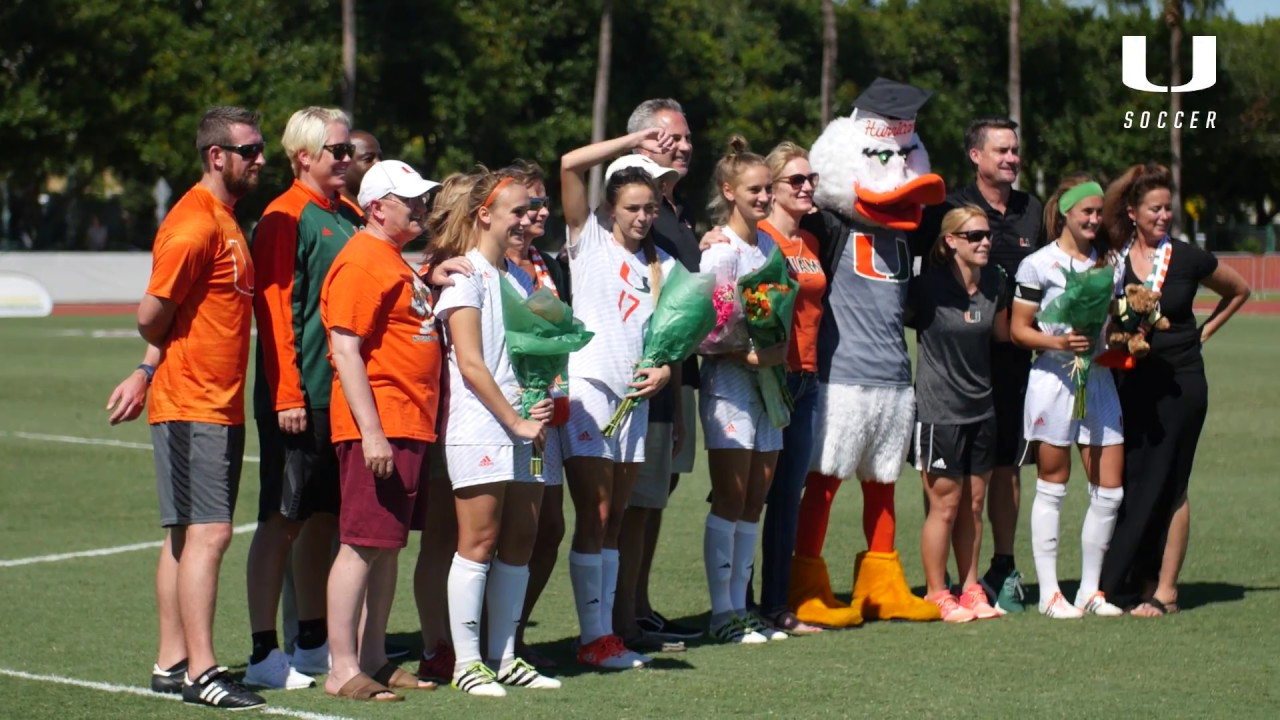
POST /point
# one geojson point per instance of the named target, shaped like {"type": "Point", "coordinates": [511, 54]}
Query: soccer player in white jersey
{"type": "Point", "coordinates": [488, 445]}
{"type": "Point", "coordinates": [1073, 216]}
{"type": "Point", "coordinates": [617, 276]}
{"type": "Point", "coordinates": [742, 443]}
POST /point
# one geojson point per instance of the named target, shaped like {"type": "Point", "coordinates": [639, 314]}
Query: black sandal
{"type": "Point", "coordinates": [1155, 604]}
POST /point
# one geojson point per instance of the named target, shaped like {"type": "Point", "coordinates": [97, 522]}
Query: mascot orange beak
{"type": "Point", "coordinates": [903, 207]}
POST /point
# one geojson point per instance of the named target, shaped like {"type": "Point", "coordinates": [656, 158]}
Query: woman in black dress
{"type": "Point", "coordinates": [1165, 396]}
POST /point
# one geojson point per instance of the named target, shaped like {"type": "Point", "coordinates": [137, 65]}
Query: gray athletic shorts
{"type": "Point", "coordinates": [197, 471]}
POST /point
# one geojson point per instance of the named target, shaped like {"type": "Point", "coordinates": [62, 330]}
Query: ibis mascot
{"type": "Point", "coordinates": [875, 184]}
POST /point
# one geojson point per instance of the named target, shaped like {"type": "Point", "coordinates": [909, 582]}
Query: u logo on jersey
{"type": "Point", "coordinates": [869, 264]}
{"type": "Point", "coordinates": [629, 277]}
{"type": "Point", "coordinates": [241, 266]}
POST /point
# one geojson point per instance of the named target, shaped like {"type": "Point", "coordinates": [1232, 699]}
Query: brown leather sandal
{"type": "Point", "coordinates": [364, 688]}
{"type": "Point", "coordinates": [393, 677]}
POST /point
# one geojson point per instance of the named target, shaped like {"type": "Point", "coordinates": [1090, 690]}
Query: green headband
{"type": "Point", "coordinates": [1078, 193]}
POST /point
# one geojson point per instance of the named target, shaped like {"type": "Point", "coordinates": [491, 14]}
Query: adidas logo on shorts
{"type": "Point", "coordinates": [729, 428]}
{"type": "Point", "coordinates": [585, 436]}
{"type": "Point", "coordinates": [1039, 422]}
{"type": "Point", "coordinates": [486, 461]}
{"type": "Point", "coordinates": [939, 464]}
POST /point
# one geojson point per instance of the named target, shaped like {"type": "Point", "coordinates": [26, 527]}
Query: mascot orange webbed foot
{"type": "Point", "coordinates": [881, 592]}
{"type": "Point", "coordinates": [811, 598]}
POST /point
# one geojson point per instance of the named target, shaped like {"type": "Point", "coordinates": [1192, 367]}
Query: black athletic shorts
{"type": "Point", "coordinates": [1010, 368]}
{"type": "Point", "coordinates": [197, 471]}
{"type": "Point", "coordinates": [299, 473]}
{"type": "Point", "coordinates": [955, 450]}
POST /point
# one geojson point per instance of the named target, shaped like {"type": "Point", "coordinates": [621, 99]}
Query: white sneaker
{"type": "Point", "coordinates": [479, 680]}
{"type": "Point", "coordinates": [1097, 604]}
{"type": "Point", "coordinates": [1059, 609]}
{"type": "Point", "coordinates": [522, 674]}
{"type": "Point", "coordinates": [275, 672]}
{"type": "Point", "coordinates": [314, 661]}
{"type": "Point", "coordinates": [770, 633]}
{"type": "Point", "coordinates": [735, 631]}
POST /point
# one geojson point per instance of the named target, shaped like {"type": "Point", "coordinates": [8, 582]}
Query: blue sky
{"type": "Point", "coordinates": [1253, 10]}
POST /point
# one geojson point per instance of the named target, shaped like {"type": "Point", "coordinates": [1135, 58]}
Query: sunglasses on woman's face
{"type": "Point", "coordinates": [341, 151]}
{"type": "Point", "coordinates": [537, 203]}
{"type": "Point", "coordinates": [974, 236]}
{"type": "Point", "coordinates": [798, 180]}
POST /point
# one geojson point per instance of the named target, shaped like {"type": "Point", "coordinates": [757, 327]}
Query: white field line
{"type": "Point", "coordinates": [238, 530]}
{"type": "Point", "coordinates": [143, 692]}
{"type": "Point", "coordinates": [90, 441]}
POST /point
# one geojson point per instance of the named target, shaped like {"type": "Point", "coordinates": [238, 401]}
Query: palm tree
{"type": "Point", "coordinates": [829, 57]}
{"type": "Point", "coordinates": [600, 100]}
{"type": "Point", "coordinates": [1015, 65]}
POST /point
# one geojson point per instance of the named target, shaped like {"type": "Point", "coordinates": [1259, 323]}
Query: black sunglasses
{"type": "Point", "coordinates": [248, 152]}
{"type": "Point", "coordinates": [797, 181]}
{"type": "Point", "coordinates": [537, 203]}
{"type": "Point", "coordinates": [974, 235]}
{"type": "Point", "coordinates": [341, 151]}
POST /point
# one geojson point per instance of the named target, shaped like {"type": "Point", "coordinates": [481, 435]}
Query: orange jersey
{"type": "Point", "coordinates": [802, 261]}
{"type": "Point", "coordinates": [354, 210]}
{"type": "Point", "coordinates": [201, 262]}
{"type": "Point", "coordinates": [372, 292]}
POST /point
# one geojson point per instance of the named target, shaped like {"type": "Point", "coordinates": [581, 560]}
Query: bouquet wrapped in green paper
{"type": "Point", "coordinates": [541, 332]}
{"type": "Point", "coordinates": [682, 319]}
{"type": "Point", "coordinates": [768, 302]}
{"type": "Point", "coordinates": [1084, 305]}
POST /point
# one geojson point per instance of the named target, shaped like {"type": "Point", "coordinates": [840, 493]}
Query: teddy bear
{"type": "Point", "coordinates": [1133, 316]}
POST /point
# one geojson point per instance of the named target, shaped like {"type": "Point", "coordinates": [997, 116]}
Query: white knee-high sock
{"type": "Point", "coordinates": [608, 587]}
{"type": "Point", "coordinates": [586, 577]}
{"type": "Point", "coordinates": [1095, 535]}
{"type": "Point", "coordinates": [717, 559]}
{"type": "Point", "coordinates": [466, 599]}
{"type": "Point", "coordinates": [1045, 512]}
{"type": "Point", "coordinates": [744, 555]}
{"type": "Point", "coordinates": [507, 584]}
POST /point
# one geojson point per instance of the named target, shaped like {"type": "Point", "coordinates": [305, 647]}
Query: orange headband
{"type": "Point", "coordinates": [505, 181]}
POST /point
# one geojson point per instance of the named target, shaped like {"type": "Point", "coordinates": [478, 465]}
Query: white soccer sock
{"type": "Point", "coordinates": [507, 584]}
{"type": "Point", "coordinates": [586, 577]}
{"type": "Point", "coordinates": [717, 559]}
{"type": "Point", "coordinates": [1095, 535]}
{"type": "Point", "coordinates": [744, 555]}
{"type": "Point", "coordinates": [608, 587]}
{"type": "Point", "coordinates": [466, 599]}
{"type": "Point", "coordinates": [1045, 512]}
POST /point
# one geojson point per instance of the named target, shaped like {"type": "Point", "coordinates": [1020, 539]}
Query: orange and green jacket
{"type": "Point", "coordinates": [300, 234]}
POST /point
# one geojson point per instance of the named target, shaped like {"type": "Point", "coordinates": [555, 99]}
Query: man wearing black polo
{"type": "Point", "coordinates": [1017, 230]}
{"type": "Point", "coordinates": [669, 441]}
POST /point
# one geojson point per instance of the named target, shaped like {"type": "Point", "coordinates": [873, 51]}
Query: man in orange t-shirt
{"type": "Point", "coordinates": [196, 317]}
{"type": "Point", "coordinates": [386, 353]}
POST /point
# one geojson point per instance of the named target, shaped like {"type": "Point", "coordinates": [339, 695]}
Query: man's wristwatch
{"type": "Point", "coordinates": [150, 370]}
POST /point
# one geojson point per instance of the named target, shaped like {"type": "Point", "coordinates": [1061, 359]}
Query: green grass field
{"type": "Point", "coordinates": [92, 618]}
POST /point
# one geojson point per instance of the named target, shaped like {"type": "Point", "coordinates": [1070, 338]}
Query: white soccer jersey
{"type": "Point", "coordinates": [613, 298]}
{"type": "Point", "coordinates": [1041, 279]}
{"type": "Point", "coordinates": [730, 261]}
{"type": "Point", "coordinates": [469, 422]}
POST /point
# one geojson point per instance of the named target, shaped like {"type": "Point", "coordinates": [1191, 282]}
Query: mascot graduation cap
{"type": "Point", "coordinates": [875, 183]}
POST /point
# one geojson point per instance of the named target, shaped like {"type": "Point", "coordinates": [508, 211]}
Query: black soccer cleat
{"type": "Point", "coordinates": [168, 682]}
{"type": "Point", "coordinates": [215, 688]}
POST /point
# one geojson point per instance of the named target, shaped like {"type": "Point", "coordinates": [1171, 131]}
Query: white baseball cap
{"type": "Point", "coordinates": [392, 177]}
{"type": "Point", "coordinates": [636, 160]}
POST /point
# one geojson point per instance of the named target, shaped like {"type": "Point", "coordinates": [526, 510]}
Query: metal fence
{"type": "Point", "coordinates": [1262, 272]}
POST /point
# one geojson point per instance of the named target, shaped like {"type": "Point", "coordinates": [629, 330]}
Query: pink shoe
{"type": "Point", "coordinates": [974, 599]}
{"type": "Point", "coordinates": [950, 608]}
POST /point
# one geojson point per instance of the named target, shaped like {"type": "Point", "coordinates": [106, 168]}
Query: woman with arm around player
{"type": "Point", "coordinates": [957, 308]}
{"type": "Point", "coordinates": [488, 445]}
{"type": "Point", "coordinates": [793, 184]}
{"type": "Point", "coordinates": [619, 274]}
{"type": "Point", "coordinates": [1073, 217]}
{"type": "Point", "coordinates": [1165, 396]}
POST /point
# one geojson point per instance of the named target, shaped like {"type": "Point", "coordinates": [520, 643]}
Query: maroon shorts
{"type": "Point", "coordinates": [377, 513]}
